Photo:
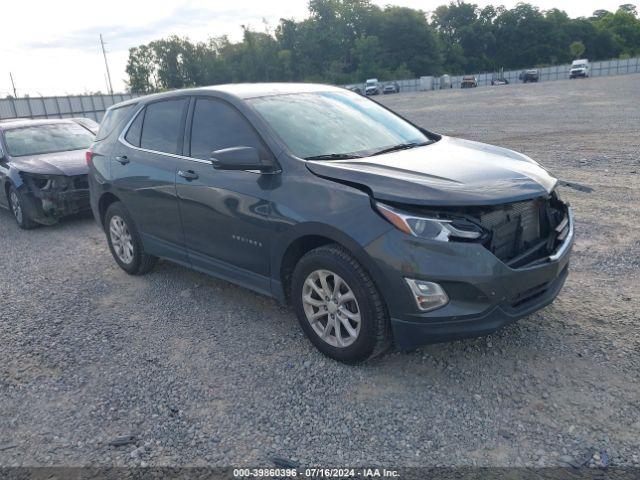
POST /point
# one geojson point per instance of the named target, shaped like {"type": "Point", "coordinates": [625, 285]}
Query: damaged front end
{"type": "Point", "coordinates": [51, 197]}
{"type": "Point", "coordinates": [521, 234]}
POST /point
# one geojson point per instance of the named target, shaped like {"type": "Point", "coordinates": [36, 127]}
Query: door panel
{"type": "Point", "coordinates": [144, 179]}
{"type": "Point", "coordinates": [225, 217]}
{"type": "Point", "coordinates": [225, 214]}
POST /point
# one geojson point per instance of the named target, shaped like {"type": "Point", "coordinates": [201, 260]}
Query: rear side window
{"type": "Point", "coordinates": [217, 125]}
{"type": "Point", "coordinates": [112, 119]}
{"type": "Point", "coordinates": [162, 125]}
{"type": "Point", "coordinates": [135, 130]}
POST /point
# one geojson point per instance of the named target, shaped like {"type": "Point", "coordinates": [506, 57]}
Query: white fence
{"type": "Point", "coordinates": [558, 72]}
{"type": "Point", "coordinates": [91, 106]}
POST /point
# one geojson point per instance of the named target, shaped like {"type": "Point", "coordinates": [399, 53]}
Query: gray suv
{"type": "Point", "coordinates": [375, 230]}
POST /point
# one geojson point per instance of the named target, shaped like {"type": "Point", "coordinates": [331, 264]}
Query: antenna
{"type": "Point", "coordinates": [15, 95]}
{"type": "Point", "coordinates": [106, 64]}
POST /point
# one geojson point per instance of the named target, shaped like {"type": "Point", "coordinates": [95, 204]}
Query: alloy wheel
{"type": "Point", "coordinates": [331, 308]}
{"type": "Point", "coordinates": [16, 207]}
{"type": "Point", "coordinates": [121, 239]}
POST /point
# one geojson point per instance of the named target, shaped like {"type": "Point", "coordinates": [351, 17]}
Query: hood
{"type": "Point", "coordinates": [450, 172]}
{"type": "Point", "coordinates": [59, 163]}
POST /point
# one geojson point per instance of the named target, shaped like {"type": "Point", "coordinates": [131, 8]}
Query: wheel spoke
{"type": "Point", "coordinates": [337, 284]}
{"type": "Point", "coordinates": [336, 329]}
{"type": "Point", "coordinates": [317, 316]}
{"type": "Point", "coordinates": [315, 287]}
{"type": "Point", "coordinates": [327, 328]}
{"type": "Point", "coordinates": [350, 315]}
{"type": "Point", "coordinates": [325, 286]}
{"type": "Point", "coordinates": [312, 301]}
{"type": "Point", "coordinates": [347, 297]}
{"type": "Point", "coordinates": [347, 326]}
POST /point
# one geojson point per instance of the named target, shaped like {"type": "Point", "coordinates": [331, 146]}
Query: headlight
{"type": "Point", "coordinates": [428, 227]}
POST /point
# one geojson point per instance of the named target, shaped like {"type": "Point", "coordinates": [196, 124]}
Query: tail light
{"type": "Point", "coordinates": [89, 156]}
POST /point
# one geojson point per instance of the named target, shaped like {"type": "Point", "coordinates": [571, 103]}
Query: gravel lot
{"type": "Point", "coordinates": [206, 373]}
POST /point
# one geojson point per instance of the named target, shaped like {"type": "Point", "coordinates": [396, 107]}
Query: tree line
{"type": "Point", "coordinates": [347, 41]}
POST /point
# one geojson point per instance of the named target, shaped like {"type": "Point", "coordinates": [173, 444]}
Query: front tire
{"type": "Point", "coordinates": [16, 204]}
{"type": "Point", "coordinates": [124, 241]}
{"type": "Point", "coordinates": [338, 306]}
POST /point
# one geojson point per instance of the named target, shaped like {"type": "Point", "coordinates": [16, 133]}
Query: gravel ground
{"type": "Point", "coordinates": [205, 373]}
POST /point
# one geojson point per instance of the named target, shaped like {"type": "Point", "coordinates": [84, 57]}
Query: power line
{"type": "Point", "coordinates": [106, 64]}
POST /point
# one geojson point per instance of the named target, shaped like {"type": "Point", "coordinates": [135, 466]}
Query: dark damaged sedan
{"type": "Point", "coordinates": [377, 231]}
{"type": "Point", "coordinates": [43, 170]}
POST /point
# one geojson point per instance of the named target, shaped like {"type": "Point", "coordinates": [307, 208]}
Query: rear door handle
{"type": "Point", "coordinates": [188, 174]}
{"type": "Point", "coordinates": [122, 159]}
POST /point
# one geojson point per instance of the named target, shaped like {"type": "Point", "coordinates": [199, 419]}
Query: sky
{"type": "Point", "coordinates": [53, 48]}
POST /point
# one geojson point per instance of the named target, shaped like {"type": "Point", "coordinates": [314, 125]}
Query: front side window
{"type": "Point", "coordinates": [334, 123]}
{"type": "Point", "coordinates": [51, 138]}
{"type": "Point", "coordinates": [217, 125]}
{"type": "Point", "coordinates": [162, 125]}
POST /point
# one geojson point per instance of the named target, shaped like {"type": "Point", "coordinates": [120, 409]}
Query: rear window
{"type": "Point", "coordinates": [51, 138]}
{"type": "Point", "coordinates": [112, 119]}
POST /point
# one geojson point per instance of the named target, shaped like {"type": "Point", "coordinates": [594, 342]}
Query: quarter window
{"type": "Point", "coordinates": [217, 125]}
{"type": "Point", "coordinates": [135, 130]}
{"type": "Point", "coordinates": [161, 129]}
{"type": "Point", "coordinates": [111, 119]}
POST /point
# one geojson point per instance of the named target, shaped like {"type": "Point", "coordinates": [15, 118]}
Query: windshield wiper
{"type": "Point", "coordinates": [333, 156]}
{"type": "Point", "coordinates": [400, 146]}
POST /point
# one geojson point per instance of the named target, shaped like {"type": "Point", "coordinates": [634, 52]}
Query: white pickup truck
{"type": "Point", "coordinates": [372, 87]}
{"type": "Point", "coordinates": [579, 68]}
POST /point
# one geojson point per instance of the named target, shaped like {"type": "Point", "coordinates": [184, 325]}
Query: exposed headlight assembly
{"type": "Point", "coordinates": [47, 182]}
{"type": "Point", "coordinates": [428, 227]}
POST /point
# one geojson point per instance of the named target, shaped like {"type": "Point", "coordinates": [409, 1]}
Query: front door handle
{"type": "Point", "coordinates": [188, 174]}
{"type": "Point", "coordinates": [122, 159]}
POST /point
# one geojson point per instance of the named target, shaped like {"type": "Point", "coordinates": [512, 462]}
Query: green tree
{"type": "Point", "coordinates": [577, 49]}
{"type": "Point", "coordinates": [344, 41]}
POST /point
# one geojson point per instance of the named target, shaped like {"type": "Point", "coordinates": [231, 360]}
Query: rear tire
{"type": "Point", "coordinates": [354, 306]}
{"type": "Point", "coordinates": [16, 204]}
{"type": "Point", "coordinates": [124, 241]}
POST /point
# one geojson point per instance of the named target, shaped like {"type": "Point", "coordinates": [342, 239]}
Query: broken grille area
{"type": "Point", "coordinates": [522, 233]}
{"type": "Point", "coordinates": [514, 228]}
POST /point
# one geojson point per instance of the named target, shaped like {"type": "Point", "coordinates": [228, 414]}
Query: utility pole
{"type": "Point", "coordinates": [15, 95]}
{"type": "Point", "coordinates": [106, 64]}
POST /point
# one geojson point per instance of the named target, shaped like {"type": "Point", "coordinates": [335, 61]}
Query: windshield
{"type": "Point", "coordinates": [51, 138]}
{"type": "Point", "coordinates": [334, 123]}
{"type": "Point", "coordinates": [579, 65]}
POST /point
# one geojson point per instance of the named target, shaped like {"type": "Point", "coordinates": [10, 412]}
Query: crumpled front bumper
{"type": "Point", "coordinates": [484, 293]}
{"type": "Point", "coordinates": [48, 206]}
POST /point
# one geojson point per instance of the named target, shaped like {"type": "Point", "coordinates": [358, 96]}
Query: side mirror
{"type": "Point", "coordinates": [2, 156]}
{"type": "Point", "coordinates": [239, 158]}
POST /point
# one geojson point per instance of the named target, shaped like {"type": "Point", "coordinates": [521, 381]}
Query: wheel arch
{"type": "Point", "coordinates": [306, 237]}
{"type": "Point", "coordinates": [106, 199]}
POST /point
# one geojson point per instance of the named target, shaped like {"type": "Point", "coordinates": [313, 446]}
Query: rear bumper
{"type": "Point", "coordinates": [484, 293]}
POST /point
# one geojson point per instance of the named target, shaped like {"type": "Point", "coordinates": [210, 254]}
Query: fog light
{"type": "Point", "coordinates": [428, 295]}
